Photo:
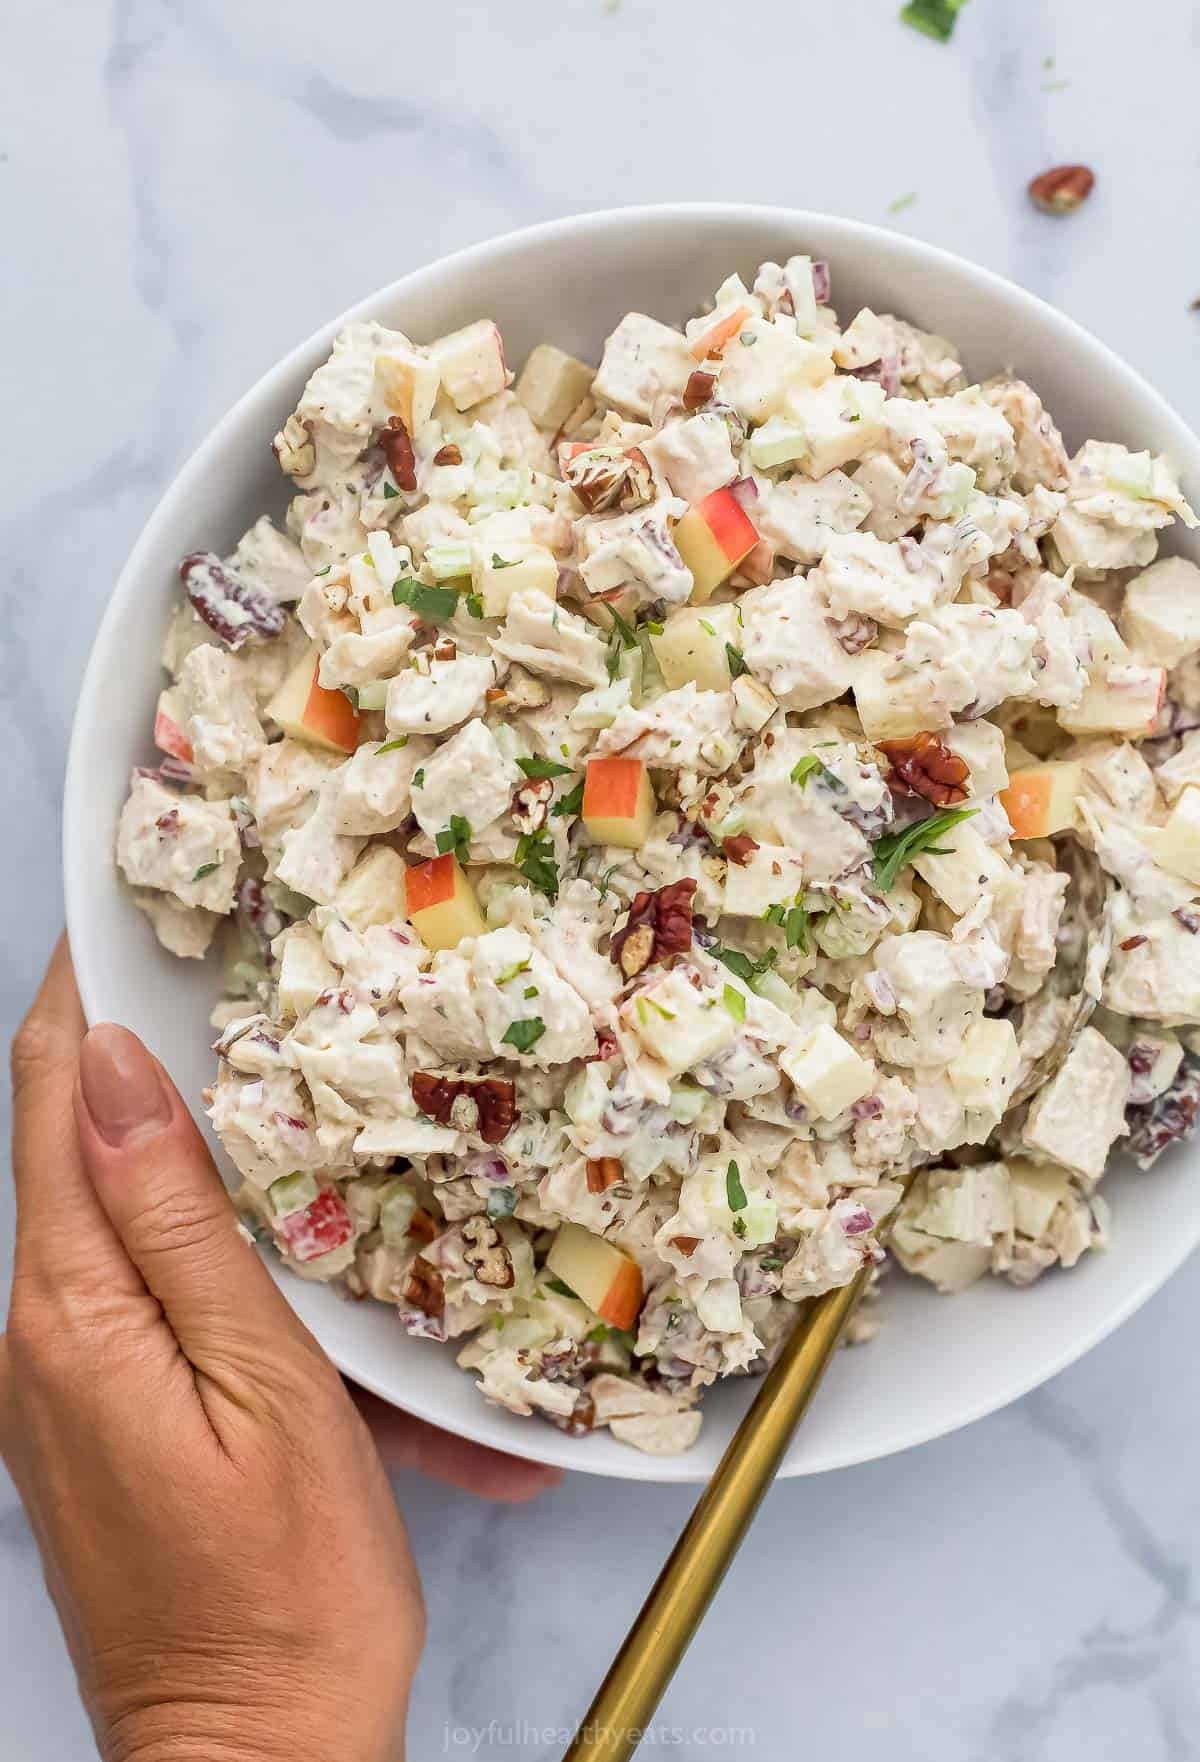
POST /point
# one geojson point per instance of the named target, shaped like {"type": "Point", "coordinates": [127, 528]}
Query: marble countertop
{"type": "Point", "coordinates": [189, 190]}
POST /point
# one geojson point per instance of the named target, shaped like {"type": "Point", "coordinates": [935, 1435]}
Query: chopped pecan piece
{"type": "Point", "coordinates": [923, 765]}
{"type": "Point", "coordinates": [398, 451]}
{"type": "Point", "coordinates": [425, 1288]}
{"type": "Point", "coordinates": [739, 849]}
{"type": "Point", "coordinates": [530, 806]}
{"type": "Point", "coordinates": [699, 389]}
{"type": "Point", "coordinates": [231, 607]}
{"type": "Point", "coordinates": [659, 925]}
{"type": "Point", "coordinates": [423, 1226]}
{"type": "Point", "coordinates": [486, 1105]}
{"type": "Point", "coordinates": [1130, 943]}
{"type": "Point", "coordinates": [581, 1418]}
{"type": "Point", "coordinates": [685, 1245]}
{"type": "Point", "coordinates": [603, 1172]}
{"type": "Point", "coordinates": [603, 479]}
{"type": "Point", "coordinates": [445, 650]}
{"type": "Point", "coordinates": [448, 455]}
{"type": "Point", "coordinates": [1061, 189]}
{"type": "Point", "coordinates": [486, 1254]}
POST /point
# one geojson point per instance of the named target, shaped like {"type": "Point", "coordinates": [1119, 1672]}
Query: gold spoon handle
{"type": "Point", "coordinates": [658, 1639]}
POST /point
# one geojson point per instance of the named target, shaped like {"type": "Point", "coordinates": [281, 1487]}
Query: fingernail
{"type": "Point", "coordinates": [121, 1087]}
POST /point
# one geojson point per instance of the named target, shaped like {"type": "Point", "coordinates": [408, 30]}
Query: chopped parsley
{"type": "Point", "coordinates": [739, 1227]}
{"type": "Point", "coordinates": [499, 562]}
{"type": "Point", "coordinates": [734, 1191]}
{"type": "Point", "coordinates": [435, 603]}
{"type": "Point", "coordinates": [770, 1263]}
{"type": "Point", "coordinates": [205, 869]}
{"type": "Point", "coordinates": [530, 991]}
{"type": "Point", "coordinates": [736, 660]}
{"type": "Point", "coordinates": [543, 768]}
{"type": "Point", "coordinates": [325, 570]}
{"type": "Point", "coordinates": [595, 1335]}
{"type": "Point", "coordinates": [456, 837]}
{"type": "Point", "coordinates": [895, 849]}
{"type": "Point", "coordinates": [475, 605]}
{"type": "Point", "coordinates": [536, 861]}
{"type": "Point", "coordinates": [563, 1290]}
{"type": "Point", "coordinates": [572, 802]}
{"type": "Point", "coordinates": [710, 628]}
{"type": "Point", "coordinates": [902, 202]}
{"type": "Point", "coordinates": [523, 1034]}
{"type": "Point", "coordinates": [512, 972]}
{"type": "Point", "coordinates": [621, 627]}
{"type": "Point", "coordinates": [741, 964]}
{"type": "Point", "coordinates": [794, 922]}
{"type": "Point", "coordinates": [418, 781]}
{"type": "Point", "coordinates": [390, 492]}
{"type": "Point", "coordinates": [654, 627]}
{"type": "Point", "coordinates": [392, 746]}
{"type": "Point", "coordinates": [735, 1003]}
{"type": "Point", "coordinates": [810, 766]}
{"type": "Point", "coordinates": [934, 18]}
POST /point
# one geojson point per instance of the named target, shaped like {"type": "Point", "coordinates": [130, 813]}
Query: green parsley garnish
{"type": "Point", "coordinates": [392, 746]}
{"type": "Point", "coordinates": [572, 802]}
{"type": "Point", "coordinates": [935, 18]}
{"type": "Point", "coordinates": [654, 627]}
{"type": "Point", "coordinates": [810, 766]}
{"type": "Point", "coordinates": [536, 861]}
{"type": "Point", "coordinates": [418, 781]}
{"type": "Point", "coordinates": [475, 605]}
{"type": "Point", "coordinates": [205, 869]}
{"type": "Point", "coordinates": [739, 1227]}
{"type": "Point", "coordinates": [770, 1263]}
{"type": "Point", "coordinates": [623, 629]}
{"type": "Point", "coordinates": [499, 562]}
{"type": "Point", "coordinates": [512, 972]}
{"type": "Point", "coordinates": [735, 1003]}
{"type": "Point", "coordinates": [523, 1034]}
{"type": "Point", "coordinates": [530, 991]}
{"type": "Point", "coordinates": [543, 768]}
{"type": "Point", "coordinates": [741, 964]}
{"type": "Point", "coordinates": [705, 625]}
{"type": "Point", "coordinates": [455, 837]}
{"type": "Point", "coordinates": [562, 1289]}
{"type": "Point", "coordinates": [736, 660]}
{"type": "Point", "coordinates": [595, 1335]}
{"type": "Point", "coordinates": [435, 603]}
{"type": "Point", "coordinates": [895, 849]}
{"type": "Point", "coordinates": [734, 1191]}
{"type": "Point", "coordinates": [390, 492]}
{"type": "Point", "coordinates": [325, 570]}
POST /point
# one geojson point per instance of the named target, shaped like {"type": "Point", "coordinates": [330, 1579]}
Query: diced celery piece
{"type": "Point", "coordinates": [397, 1204]}
{"type": "Point", "coordinates": [1134, 474]}
{"type": "Point", "coordinates": [686, 1103]}
{"type": "Point", "coordinates": [449, 561]}
{"type": "Point", "coordinates": [774, 989]}
{"type": "Point", "coordinates": [502, 1202]}
{"type": "Point", "coordinates": [373, 696]}
{"type": "Point", "coordinates": [777, 442]}
{"type": "Point", "coordinates": [292, 1192]}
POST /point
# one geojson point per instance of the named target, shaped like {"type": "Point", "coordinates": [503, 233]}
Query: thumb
{"type": "Point", "coordinates": [156, 1181]}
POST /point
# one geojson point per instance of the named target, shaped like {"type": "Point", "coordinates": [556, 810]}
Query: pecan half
{"type": "Point", "coordinates": [699, 389]}
{"type": "Point", "coordinates": [486, 1254]}
{"type": "Point", "coordinates": [659, 925]}
{"type": "Point", "coordinates": [425, 1288]}
{"type": "Point", "coordinates": [922, 765]}
{"type": "Point", "coordinates": [486, 1105]}
{"type": "Point", "coordinates": [603, 1172]}
{"type": "Point", "coordinates": [448, 455]}
{"type": "Point", "coordinates": [231, 607]}
{"type": "Point", "coordinates": [739, 849]}
{"type": "Point", "coordinates": [398, 451]}
{"type": "Point", "coordinates": [530, 806]}
{"type": "Point", "coordinates": [1061, 189]}
{"type": "Point", "coordinates": [603, 479]}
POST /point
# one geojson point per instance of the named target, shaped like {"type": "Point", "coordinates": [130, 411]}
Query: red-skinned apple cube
{"type": "Point", "coordinates": [168, 732]}
{"type": "Point", "coordinates": [600, 1274]}
{"type": "Point", "coordinates": [712, 538]}
{"type": "Point", "coordinates": [318, 1229]}
{"type": "Point", "coordinates": [618, 802]}
{"type": "Point", "coordinates": [307, 711]}
{"type": "Point", "coordinates": [442, 907]}
{"type": "Point", "coordinates": [713, 340]}
{"type": "Point", "coordinates": [1040, 800]}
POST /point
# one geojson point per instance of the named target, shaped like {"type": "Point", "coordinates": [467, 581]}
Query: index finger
{"type": "Point", "coordinates": [61, 1225]}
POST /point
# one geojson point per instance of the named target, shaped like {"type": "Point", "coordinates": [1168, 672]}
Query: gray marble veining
{"type": "Point", "coordinates": [186, 191]}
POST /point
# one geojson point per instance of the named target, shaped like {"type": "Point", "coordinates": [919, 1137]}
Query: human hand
{"type": "Point", "coordinates": [232, 1576]}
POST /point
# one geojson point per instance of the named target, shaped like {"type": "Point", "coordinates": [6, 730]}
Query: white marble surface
{"type": "Point", "coordinates": [186, 190]}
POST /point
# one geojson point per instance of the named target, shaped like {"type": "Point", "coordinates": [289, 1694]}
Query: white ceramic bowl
{"type": "Point", "coordinates": [937, 1363]}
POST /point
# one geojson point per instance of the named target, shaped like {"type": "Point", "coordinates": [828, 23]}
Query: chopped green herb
{"type": "Point", "coordinates": [455, 837]}
{"type": "Point", "coordinates": [902, 202]}
{"type": "Point", "coordinates": [392, 746]}
{"type": "Point", "coordinates": [734, 1002]}
{"type": "Point", "coordinates": [205, 869]}
{"type": "Point", "coordinates": [810, 766]}
{"type": "Point", "coordinates": [736, 660]}
{"type": "Point", "coordinates": [935, 18]}
{"type": "Point", "coordinates": [572, 802]}
{"type": "Point", "coordinates": [499, 562]}
{"type": "Point", "coordinates": [595, 1335]}
{"type": "Point", "coordinates": [623, 629]}
{"type": "Point", "coordinates": [418, 781]}
{"type": "Point", "coordinates": [512, 972]}
{"type": "Point", "coordinates": [543, 768]}
{"type": "Point", "coordinates": [435, 603]}
{"type": "Point", "coordinates": [705, 625]}
{"type": "Point", "coordinates": [654, 627]}
{"type": "Point", "coordinates": [475, 605]}
{"type": "Point", "coordinates": [668, 1015]}
{"type": "Point", "coordinates": [530, 991]}
{"type": "Point", "coordinates": [562, 1289]}
{"type": "Point", "coordinates": [739, 1227]}
{"type": "Point", "coordinates": [523, 1034]}
{"type": "Point", "coordinates": [747, 339]}
{"type": "Point", "coordinates": [770, 1263]}
{"type": "Point", "coordinates": [795, 928]}
{"type": "Point", "coordinates": [390, 492]}
{"type": "Point", "coordinates": [734, 1191]}
{"type": "Point", "coordinates": [895, 849]}
{"type": "Point", "coordinates": [325, 570]}
{"type": "Point", "coordinates": [741, 964]}
{"type": "Point", "coordinates": [536, 860]}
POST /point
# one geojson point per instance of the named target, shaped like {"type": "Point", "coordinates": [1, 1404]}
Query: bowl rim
{"type": "Point", "coordinates": [549, 1445]}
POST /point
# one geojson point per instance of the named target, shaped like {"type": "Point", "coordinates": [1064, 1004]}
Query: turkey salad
{"type": "Point", "coordinates": [664, 821]}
